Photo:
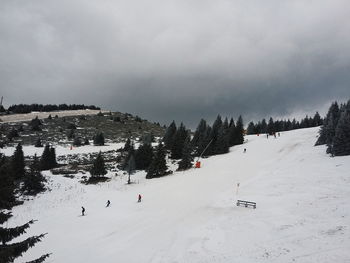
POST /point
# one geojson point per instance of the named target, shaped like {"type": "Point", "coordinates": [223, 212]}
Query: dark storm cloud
{"type": "Point", "coordinates": [179, 60]}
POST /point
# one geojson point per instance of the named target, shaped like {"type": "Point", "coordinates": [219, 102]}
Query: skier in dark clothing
{"type": "Point", "coordinates": [139, 200]}
{"type": "Point", "coordinates": [245, 150]}
{"type": "Point", "coordinates": [82, 211]}
{"type": "Point", "coordinates": [108, 203]}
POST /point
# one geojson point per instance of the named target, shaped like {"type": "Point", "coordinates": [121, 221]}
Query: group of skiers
{"type": "Point", "coordinates": [108, 204]}
{"type": "Point", "coordinates": [274, 135]}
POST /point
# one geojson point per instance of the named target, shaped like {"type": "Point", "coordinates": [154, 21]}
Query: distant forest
{"type": "Point", "coordinates": [273, 126]}
{"type": "Point", "coordinates": [27, 108]}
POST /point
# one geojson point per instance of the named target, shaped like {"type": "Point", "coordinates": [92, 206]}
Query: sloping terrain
{"type": "Point", "coordinates": [302, 214]}
{"type": "Point", "coordinates": [64, 126]}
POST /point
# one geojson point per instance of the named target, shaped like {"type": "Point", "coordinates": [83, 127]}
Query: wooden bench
{"type": "Point", "coordinates": [246, 203]}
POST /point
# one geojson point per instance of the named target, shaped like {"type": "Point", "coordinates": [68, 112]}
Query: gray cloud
{"type": "Point", "coordinates": [180, 60]}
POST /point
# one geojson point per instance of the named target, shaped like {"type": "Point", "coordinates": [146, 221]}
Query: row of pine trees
{"type": "Point", "coordinates": [335, 132]}
{"type": "Point", "coordinates": [273, 126]}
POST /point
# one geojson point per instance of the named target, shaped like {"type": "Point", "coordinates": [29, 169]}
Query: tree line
{"type": "Point", "coordinates": [335, 132]}
{"type": "Point", "coordinates": [273, 126]}
{"type": "Point", "coordinates": [27, 108]}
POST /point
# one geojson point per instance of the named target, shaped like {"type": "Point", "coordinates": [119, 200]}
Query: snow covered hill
{"type": "Point", "coordinates": [302, 214]}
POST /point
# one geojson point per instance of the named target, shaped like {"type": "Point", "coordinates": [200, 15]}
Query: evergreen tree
{"type": "Point", "coordinates": [143, 156]}
{"type": "Point", "coordinates": [178, 143]}
{"type": "Point", "coordinates": [251, 128]}
{"type": "Point", "coordinates": [98, 168]}
{"type": "Point", "coordinates": [341, 141]}
{"type": "Point", "coordinates": [222, 141]}
{"type": "Point", "coordinates": [34, 180]}
{"type": "Point", "coordinates": [48, 158]}
{"type": "Point", "coordinates": [158, 165]}
{"type": "Point", "coordinates": [45, 159]}
{"type": "Point", "coordinates": [232, 133]}
{"type": "Point", "coordinates": [52, 158]}
{"type": "Point", "coordinates": [35, 124]}
{"type": "Point", "coordinates": [186, 158]}
{"type": "Point", "coordinates": [17, 163]}
{"type": "Point", "coordinates": [38, 143]}
{"type": "Point", "coordinates": [327, 131]}
{"type": "Point", "coordinates": [263, 126]}
{"type": "Point", "coordinates": [169, 136]}
{"type": "Point", "coordinates": [199, 134]}
{"type": "Point", "coordinates": [7, 186]}
{"type": "Point", "coordinates": [270, 126]}
{"type": "Point", "coordinates": [213, 137]}
{"type": "Point", "coordinates": [239, 131]}
{"type": "Point", "coordinates": [9, 252]}
{"type": "Point", "coordinates": [99, 139]}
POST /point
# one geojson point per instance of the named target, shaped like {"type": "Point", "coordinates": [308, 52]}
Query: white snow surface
{"type": "Point", "coordinates": [302, 214]}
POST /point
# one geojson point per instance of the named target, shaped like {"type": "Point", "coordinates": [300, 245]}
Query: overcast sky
{"type": "Point", "coordinates": [181, 59]}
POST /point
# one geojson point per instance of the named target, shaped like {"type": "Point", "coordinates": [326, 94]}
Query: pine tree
{"type": "Point", "coordinates": [270, 126]}
{"type": "Point", "coordinates": [341, 141]}
{"type": "Point", "coordinates": [17, 162]}
{"type": "Point", "coordinates": [158, 165]}
{"type": "Point", "coordinates": [99, 139]}
{"type": "Point", "coordinates": [98, 168]}
{"type": "Point", "coordinates": [34, 180]}
{"type": "Point", "coordinates": [48, 158]}
{"type": "Point", "coordinates": [7, 186]}
{"type": "Point", "coordinates": [38, 143]}
{"type": "Point", "coordinates": [52, 158]}
{"type": "Point", "coordinates": [232, 133]}
{"type": "Point", "coordinates": [186, 158]}
{"type": "Point", "coordinates": [251, 128]}
{"type": "Point", "coordinates": [9, 252]}
{"type": "Point", "coordinates": [178, 143]}
{"type": "Point", "coordinates": [327, 131]}
{"type": "Point", "coordinates": [143, 156]}
{"type": "Point", "coordinates": [239, 131]}
{"type": "Point", "coordinates": [169, 136]}
{"type": "Point", "coordinates": [200, 133]}
{"type": "Point", "coordinates": [222, 141]}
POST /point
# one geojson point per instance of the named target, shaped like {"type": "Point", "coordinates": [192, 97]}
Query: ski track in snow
{"type": "Point", "coordinates": [302, 210]}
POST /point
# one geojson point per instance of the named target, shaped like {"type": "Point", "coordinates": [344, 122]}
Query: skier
{"type": "Point", "coordinates": [267, 136]}
{"type": "Point", "coordinates": [139, 200]}
{"type": "Point", "coordinates": [279, 134]}
{"type": "Point", "coordinates": [108, 203]}
{"type": "Point", "coordinates": [245, 150]}
{"type": "Point", "coordinates": [82, 211]}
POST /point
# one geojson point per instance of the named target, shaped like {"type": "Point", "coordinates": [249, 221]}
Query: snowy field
{"type": "Point", "coordinates": [44, 115]}
{"type": "Point", "coordinates": [302, 214]}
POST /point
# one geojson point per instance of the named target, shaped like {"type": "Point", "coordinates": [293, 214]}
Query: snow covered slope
{"type": "Point", "coordinates": [302, 215]}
